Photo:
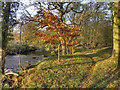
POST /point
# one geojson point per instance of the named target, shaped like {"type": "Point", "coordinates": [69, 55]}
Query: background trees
{"type": "Point", "coordinates": [85, 16]}
{"type": "Point", "coordinates": [96, 25]}
{"type": "Point", "coordinates": [60, 25]}
{"type": "Point", "coordinates": [89, 17]}
{"type": "Point", "coordinates": [28, 34]}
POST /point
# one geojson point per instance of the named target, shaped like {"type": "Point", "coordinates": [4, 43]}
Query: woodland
{"type": "Point", "coordinates": [79, 43]}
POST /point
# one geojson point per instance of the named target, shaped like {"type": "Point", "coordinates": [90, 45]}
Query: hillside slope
{"type": "Point", "coordinates": [88, 69]}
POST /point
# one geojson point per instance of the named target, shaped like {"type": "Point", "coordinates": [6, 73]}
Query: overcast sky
{"type": "Point", "coordinates": [30, 9]}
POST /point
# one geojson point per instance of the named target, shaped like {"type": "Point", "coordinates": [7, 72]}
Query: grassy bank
{"type": "Point", "coordinates": [84, 69]}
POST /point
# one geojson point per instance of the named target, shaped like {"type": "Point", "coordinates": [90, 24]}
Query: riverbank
{"type": "Point", "coordinates": [90, 69]}
{"type": "Point", "coordinates": [87, 69]}
{"type": "Point", "coordinates": [12, 62]}
{"type": "Point", "coordinates": [19, 49]}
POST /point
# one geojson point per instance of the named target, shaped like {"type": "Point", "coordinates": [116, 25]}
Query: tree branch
{"type": "Point", "coordinates": [67, 8]}
{"type": "Point", "coordinates": [76, 11]}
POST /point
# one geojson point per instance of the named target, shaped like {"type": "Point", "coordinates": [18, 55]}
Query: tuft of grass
{"type": "Point", "coordinates": [114, 65]}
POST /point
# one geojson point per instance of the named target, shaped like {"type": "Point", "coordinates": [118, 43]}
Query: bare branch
{"type": "Point", "coordinates": [67, 8]}
{"type": "Point", "coordinates": [76, 11]}
{"type": "Point", "coordinates": [28, 13]}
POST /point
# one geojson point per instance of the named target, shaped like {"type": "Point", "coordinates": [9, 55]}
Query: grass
{"type": "Point", "coordinates": [103, 75]}
{"type": "Point", "coordinates": [54, 74]}
{"type": "Point", "coordinates": [74, 71]}
{"type": "Point", "coordinates": [97, 54]}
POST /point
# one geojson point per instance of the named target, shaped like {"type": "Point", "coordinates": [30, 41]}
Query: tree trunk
{"type": "Point", "coordinates": [116, 32]}
{"type": "Point", "coordinates": [20, 65]}
{"type": "Point", "coordinates": [20, 50]}
{"type": "Point", "coordinates": [5, 27]}
{"type": "Point", "coordinates": [67, 49]}
{"type": "Point", "coordinates": [64, 48]}
{"type": "Point", "coordinates": [3, 60]}
{"type": "Point", "coordinates": [72, 50]}
{"type": "Point", "coordinates": [59, 52]}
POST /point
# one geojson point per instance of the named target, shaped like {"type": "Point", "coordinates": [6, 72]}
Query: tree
{"type": "Point", "coordinates": [28, 34]}
{"type": "Point", "coordinates": [8, 21]}
{"type": "Point", "coordinates": [91, 19]}
{"type": "Point", "coordinates": [56, 30]}
{"type": "Point", "coordinates": [116, 33]}
{"type": "Point", "coordinates": [6, 12]}
{"type": "Point", "coordinates": [61, 9]}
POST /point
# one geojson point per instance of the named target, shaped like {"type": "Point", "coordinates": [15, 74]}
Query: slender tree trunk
{"type": "Point", "coordinates": [59, 52]}
{"type": "Point", "coordinates": [3, 60]}
{"type": "Point", "coordinates": [72, 49]}
{"type": "Point", "coordinates": [67, 49]}
{"type": "Point", "coordinates": [63, 48]}
{"type": "Point", "coordinates": [64, 51]}
{"type": "Point", "coordinates": [20, 62]}
{"type": "Point", "coordinates": [60, 19]}
{"type": "Point", "coordinates": [5, 27]}
{"type": "Point", "coordinates": [116, 33]}
{"type": "Point", "coordinates": [19, 50]}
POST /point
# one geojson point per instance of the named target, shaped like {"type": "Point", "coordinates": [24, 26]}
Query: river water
{"type": "Point", "coordinates": [12, 62]}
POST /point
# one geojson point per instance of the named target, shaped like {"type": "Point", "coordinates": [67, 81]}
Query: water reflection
{"type": "Point", "coordinates": [12, 61]}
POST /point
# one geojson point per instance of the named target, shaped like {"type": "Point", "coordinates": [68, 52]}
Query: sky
{"type": "Point", "coordinates": [30, 9]}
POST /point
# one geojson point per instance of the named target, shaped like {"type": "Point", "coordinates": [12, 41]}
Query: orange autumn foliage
{"type": "Point", "coordinates": [46, 18]}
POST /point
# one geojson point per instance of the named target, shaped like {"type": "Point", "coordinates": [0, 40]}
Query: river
{"type": "Point", "coordinates": [12, 61]}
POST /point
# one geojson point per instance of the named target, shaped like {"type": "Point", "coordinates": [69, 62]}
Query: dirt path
{"type": "Point", "coordinates": [85, 81]}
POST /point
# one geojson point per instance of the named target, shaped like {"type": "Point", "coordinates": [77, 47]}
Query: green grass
{"type": "Point", "coordinates": [51, 73]}
{"type": "Point", "coordinates": [97, 54]}
{"type": "Point", "coordinates": [72, 70]}
{"type": "Point", "coordinates": [103, 75]}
